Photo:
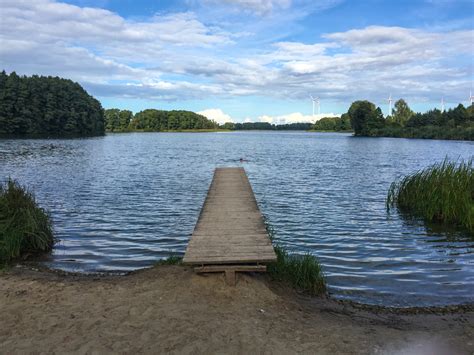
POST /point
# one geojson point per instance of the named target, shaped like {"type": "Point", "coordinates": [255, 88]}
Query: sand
{"type": "Point", "coordinates": [169, 309]}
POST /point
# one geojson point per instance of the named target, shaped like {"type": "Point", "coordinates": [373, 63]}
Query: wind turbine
{"type": "Point", "coordinates": [390, 100]}
{"type": "Point", "coordinates": [442, 104]}
{"type": "Point", "coordinates": [471, 98]}
{"type": "Point", "coordinates": [316, 101]}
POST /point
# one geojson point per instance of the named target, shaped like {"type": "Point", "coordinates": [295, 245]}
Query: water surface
{"type": "Point", "coordinates": [123, 201]}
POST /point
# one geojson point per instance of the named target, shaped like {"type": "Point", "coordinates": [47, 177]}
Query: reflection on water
{"type": "Point", "coordinates": [123, 201]}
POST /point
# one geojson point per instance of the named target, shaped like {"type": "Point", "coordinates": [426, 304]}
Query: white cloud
{"type": "Point", "coordinates": [295, 117]}
{"type": "Point", "coordinates": [48, 37]}
{"type": "Point", "coordinates": [258, 6]}
{"type": "Point", "coordinates": [179, 56]}
{"type": "Point", "coordinates": [288, 9]}
{"type": "Point", "coordinates": [156, 90]}
{"type": "Point", "coordinates": [46, 20]}
{"type": "Point", "coordinates": [297, 51]}
{"type": "Point", "coordinates": [217, 115]}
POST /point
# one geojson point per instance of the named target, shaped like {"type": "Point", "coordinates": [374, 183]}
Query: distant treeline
{"type": "Point", "coordinates": [333, 124]}
{"type": "Point", "coordinates": [368, 120]}
{"type": "Point", "coordinates": [246, 126]}
{"type": "Point", "coordinates": [152, 120]}
{"type": "Point", "coordinates": [39, 106]}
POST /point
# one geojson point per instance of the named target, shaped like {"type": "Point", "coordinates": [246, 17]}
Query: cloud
{"type": "Point", "coordinates": [258, 6]}
{"type": "Point", "coordinates": [217, 115]}
{"type": "Point", "coordinates": [296, 117]}
{"type": "Point", "coordinates": [46, 20]}
{"type": "Point", "coordinates": [287, 8]}
{"type": "Point", "coordinates": [153, 90]}
{"type": "Point", "coordinates": [94, 44]}
{"type": "Point", "coordinates": [296, 51]}
{"type": "Point", "coordinates": [180, 56]}
{"type": "Point", "coordinates": [365, 62]}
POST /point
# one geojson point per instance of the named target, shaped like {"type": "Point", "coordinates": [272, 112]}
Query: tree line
{"type": "Point", "coordinates": [151, 120]}
{"type": "Point", "coordinates": [266, 126]}
{"type": "Point", "coordinates": [367, 120]}
{"type": "Point", "coordinates": [333, 124]}
{"type": "Point", "coordinates": [40, 106]}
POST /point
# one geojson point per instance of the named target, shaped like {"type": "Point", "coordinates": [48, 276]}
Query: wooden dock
{"type": "Point", "coordinates": [230, 235]}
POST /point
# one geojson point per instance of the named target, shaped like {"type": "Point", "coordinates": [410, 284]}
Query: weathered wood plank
{"type": "Point", "coordinates": [230, 260]}
{"type": "Point", "coordinates": [230, 229]}
{"type": "Point", "coordinates": [220, 268]}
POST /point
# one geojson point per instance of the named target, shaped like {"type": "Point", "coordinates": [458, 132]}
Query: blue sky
{"type": "Point", "coordinates": [254, 60]}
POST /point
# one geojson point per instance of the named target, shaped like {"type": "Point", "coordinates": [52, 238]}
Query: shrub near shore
{"type": "Point", "coordinates": [302, 272]}
{"type": "Point", "coordinates": [25, 228]}
{"type": "Point", "coordinates": [443, 192]}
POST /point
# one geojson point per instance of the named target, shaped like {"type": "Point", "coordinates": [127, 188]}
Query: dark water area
{"type": "Point", "coordinates": [123, 201]}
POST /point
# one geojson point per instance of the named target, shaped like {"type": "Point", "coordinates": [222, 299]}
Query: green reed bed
{"type": "Point", "coordinates": [25, 228]}
{"type": "Point", "coordinates": [443, 193]}
{"type": "Point", "coordinates": [171, 260]}
{"type": "Point", "coordinates": [303, 272]}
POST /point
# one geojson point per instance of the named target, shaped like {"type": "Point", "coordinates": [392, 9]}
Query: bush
{"type": "Point", "coordinates": [443, 192]}
{"type": "Point", "coordinates": [303, 272]}
{"type": "Point", "coordinates": [171, 260]}
{"type": "Point", "coordinates": [25, 228]}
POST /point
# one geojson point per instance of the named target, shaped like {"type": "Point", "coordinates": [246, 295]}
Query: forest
{"type": "Point", "coordinates": [333, 124]}
{"type": "Point", "coordinates": [40, 106]}
{"type": "Point", "coordinates": [151, 120]}
{"type": "Point", "coordinates": [265, 126]}
{"type": "Point", "coordinates": [456, 123]}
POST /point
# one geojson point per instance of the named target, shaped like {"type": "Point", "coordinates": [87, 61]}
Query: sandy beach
{"type": "Point", "coordinates": [169, 309]}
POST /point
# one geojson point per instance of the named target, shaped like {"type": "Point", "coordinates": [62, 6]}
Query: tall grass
{"type": "Point", "coordinates": [171, 260]}
{"type": "Point", "coordinates": [443, 192]}
{"type": "Point", "coordinates": [25, 228]}
{"type": "Point", "coordinates": [303, 272]}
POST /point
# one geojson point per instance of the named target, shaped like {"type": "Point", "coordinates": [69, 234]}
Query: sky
{"type": "Point", "coordinates": [247, 60]}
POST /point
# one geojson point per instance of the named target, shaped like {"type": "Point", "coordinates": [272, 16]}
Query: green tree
{"type": "Point", "coordinates": [365, 118]}
{"type": "Point", "coordinates": [345, 122]}
{"type": "Point", "coordinates": [125, 117]}
{"type": "Point", "coordinates": [160, 120]}
{"type": "Point", "coordinates": [229, 126]}
{"type": "Point", "coordinates": [402, 112]}
{"type": "Point", "coordinates": [47, 106]}
{"type": "Point", "coordinates": [112, 119]}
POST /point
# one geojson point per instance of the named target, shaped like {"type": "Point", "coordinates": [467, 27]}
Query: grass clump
{"type": "Point", "coordinates": [171, 260]}
{"type": "Point", "coordinates": [303, 272]}
{"type": "Point", "coordinates": [25, 228]}
{"type": "Point", "coordinates": [443, 193]}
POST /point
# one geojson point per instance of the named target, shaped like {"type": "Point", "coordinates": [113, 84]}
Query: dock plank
{"type": "Point", "coordinates": [230, 229]}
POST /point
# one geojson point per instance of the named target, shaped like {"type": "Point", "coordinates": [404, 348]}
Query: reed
{"type": "Point", "coordinates": [443, 193]}
{"type": "Point", "coordinates": [25, 228]}
{"type": "Point", "coordinates": [171, 260]}
{"type": "Point", "coordinates": [303, 272]}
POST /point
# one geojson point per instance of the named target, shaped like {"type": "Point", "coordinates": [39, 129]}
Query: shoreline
{"type": "Point", "coordinates": [170, 309]}
{"type": "Point", "coordinates": [36, 267]}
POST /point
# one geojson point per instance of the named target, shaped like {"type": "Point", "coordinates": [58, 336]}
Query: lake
{"type": "Point", "coordinates": [123, 201]}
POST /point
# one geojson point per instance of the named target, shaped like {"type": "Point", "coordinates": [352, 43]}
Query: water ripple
{"type": "Point", "coordinates": [124, 201]}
